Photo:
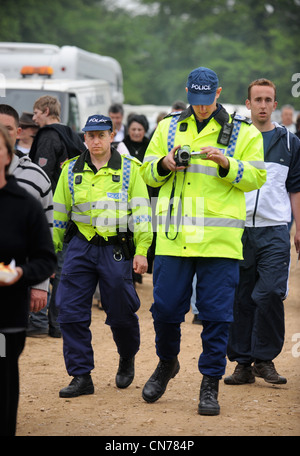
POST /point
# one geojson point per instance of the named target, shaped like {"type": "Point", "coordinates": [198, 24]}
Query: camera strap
{"type": "Point", "coordinates": [170, 208]}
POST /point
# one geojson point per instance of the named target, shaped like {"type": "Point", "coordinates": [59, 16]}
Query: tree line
{"type": "Point", "coordinates": [241, 41]}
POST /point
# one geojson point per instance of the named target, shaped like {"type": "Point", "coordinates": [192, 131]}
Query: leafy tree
{"type": "Point", "coordinates": [241, 41]}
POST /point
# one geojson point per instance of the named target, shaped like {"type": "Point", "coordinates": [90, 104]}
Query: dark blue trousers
{"type": "Point", "coordinates": [217, 279]}
{"type": "Point", "coordinates": [84, 266]}
{"type": "Point", "coordinates": [258, 328]}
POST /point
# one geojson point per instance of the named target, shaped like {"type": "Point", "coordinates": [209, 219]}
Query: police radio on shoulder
{"type": "Point", "coordinates": [183, 155]}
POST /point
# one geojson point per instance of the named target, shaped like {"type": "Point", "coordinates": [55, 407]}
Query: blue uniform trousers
{"type": "Point", "coordinates": [84, 266]}
{"type": "Point", "coordinates": [258, 328]}
{"type": "Point", "coordinates": [217, 279]}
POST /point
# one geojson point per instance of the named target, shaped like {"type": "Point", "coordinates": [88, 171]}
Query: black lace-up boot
{"type": "Point", "coordinates": [157, 383]}
{"type": "Point", "coordinates": [208, 404]}
{"type": "Point", "coordinates": [80, 385]}
{"type": "Point", "coordinates": [125, 372]}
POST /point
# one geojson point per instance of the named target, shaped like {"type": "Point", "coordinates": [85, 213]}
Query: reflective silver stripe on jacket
{"type": "Point", "coordinates": [59, 207]}
{"type": "Point", "coordinates": [203, 221]}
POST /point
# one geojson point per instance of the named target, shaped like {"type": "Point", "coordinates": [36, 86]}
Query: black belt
{"type": "Point", "coordinates": [99, 240]}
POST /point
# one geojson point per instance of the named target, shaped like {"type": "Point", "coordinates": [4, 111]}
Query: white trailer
{"type": "Point", "coordinates": [85, 83]}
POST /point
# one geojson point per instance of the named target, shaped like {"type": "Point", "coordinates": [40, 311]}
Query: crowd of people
{"type": "Point", "coordinates": [221, 243]}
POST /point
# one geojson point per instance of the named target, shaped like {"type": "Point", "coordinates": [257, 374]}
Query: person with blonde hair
{"type": "Point", "coordinates": [47, 108]}
{"type": "Point", "coordinates": [54, 143]}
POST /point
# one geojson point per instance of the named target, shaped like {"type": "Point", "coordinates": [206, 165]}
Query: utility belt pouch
{"type": "Point", "coordinates": [125, 240]}
{"type": "Point", "coordinates": [70, 232]}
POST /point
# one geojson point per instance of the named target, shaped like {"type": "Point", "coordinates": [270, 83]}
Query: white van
{"type": "Point", "coordinates": [84, 83]}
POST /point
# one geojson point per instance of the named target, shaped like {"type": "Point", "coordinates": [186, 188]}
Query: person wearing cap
{"type": "Point", "coordinates": [26, 135]}
{"type": "Point", "coordinates": [98, 196]}
{"type": "Point", "coordinates": [200, 220]}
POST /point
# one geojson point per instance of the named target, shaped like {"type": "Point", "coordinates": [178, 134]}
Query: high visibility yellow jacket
{"type": "Point", "coordinates": [99, 203]}
{"type": "Point", "coordinates": [206, 214]}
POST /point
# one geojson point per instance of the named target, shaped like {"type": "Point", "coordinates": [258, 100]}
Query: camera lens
{"type": "Point", "coordinates": [184, 155]}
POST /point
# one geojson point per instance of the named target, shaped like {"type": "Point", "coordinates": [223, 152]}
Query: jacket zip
{"type": "Point", "coordinates": [270, 146]}
{"type": "Point", "coordinates": [255, 207]}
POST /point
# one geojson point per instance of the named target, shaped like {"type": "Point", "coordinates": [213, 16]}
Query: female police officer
{"type": "Point", "coordinates": [100, 192]}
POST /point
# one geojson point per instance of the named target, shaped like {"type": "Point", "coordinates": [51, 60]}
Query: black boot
{"type": "Point", "coordinates": [80, 385]}
{"type": "Point", "coordinates": [208, 404]}
{"type": "Point", "coordinates": [157, 383]}
{"type": "Point", "coordinates": [242, 374]}
{"type": "Point", "coordinates": [267, 371]}
{"type": "Point", "coordinates": [125, 372]}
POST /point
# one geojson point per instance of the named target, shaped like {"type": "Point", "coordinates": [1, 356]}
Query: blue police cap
{"type": "Point", "coordinates": [98, 122]}
{"type": "Point", "coordinates": [202, 85]}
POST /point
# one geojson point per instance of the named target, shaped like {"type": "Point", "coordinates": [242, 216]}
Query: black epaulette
{"type": "Point", "coordinates": [172, 114]}
{"type": "Point", "coordinates": [247, 120]}
{"type": "Point", "coordinates": [134, 159]}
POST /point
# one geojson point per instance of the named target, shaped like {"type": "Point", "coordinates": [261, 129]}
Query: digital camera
{"type": "Point", "coordinates": [183, 156]}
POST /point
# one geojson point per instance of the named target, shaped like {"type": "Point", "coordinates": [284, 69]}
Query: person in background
{"type": "Point", "coordinates": [24, 237]}
{"type": "Point", "coordinates": [27, 132]}
{"type": "Point", "coordinates": [54, 143]}
{"type": "Point", "coordinates": [298, 126]}
{"type": "Point", "coordinates": [201, 215]}
{"type": "Point", "coordinates": [257, 333]}
{"type": "Point", "coordinates": [161, 115]}
{"type": "Point", "coordinates": [116, 113]}
{"type": "Point", "coordinates": [178, 106]}
{"type": "Point", "coordinates": [287, 117]}
{"type": "Point", "coordinates": [31, 177]}
{"type": "Point", "coordinates": [136, 141]}
{"type": "Point", "coordinates": [135, 144]}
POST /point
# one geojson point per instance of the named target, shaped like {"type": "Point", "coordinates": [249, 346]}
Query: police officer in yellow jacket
{"type": "Point", "coordinates": [203, 160]}
{"type": "Point", "coordinates": [100, 199]}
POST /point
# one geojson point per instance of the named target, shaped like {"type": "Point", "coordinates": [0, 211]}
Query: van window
{"type": "Point", "coordinates": [23, 100]}
{"type": "Point", "coordinates": [74, 120]}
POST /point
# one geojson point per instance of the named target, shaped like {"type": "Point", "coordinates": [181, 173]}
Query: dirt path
{"type": "Point", "coordinates": [259, 409]}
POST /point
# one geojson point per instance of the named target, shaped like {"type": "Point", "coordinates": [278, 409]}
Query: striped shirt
{"type": "Point", "coordinates": [35, 181]}
{"type": "Point", "coordinates": [31, 177]}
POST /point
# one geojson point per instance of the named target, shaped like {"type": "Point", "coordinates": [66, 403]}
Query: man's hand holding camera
{"type": "Point", "coordinates": [214, 154]}
{"type": "Point", "coordinates": [206, 153]}
{"type": "Point", "coordinates": [168, 163]}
